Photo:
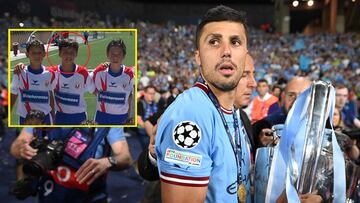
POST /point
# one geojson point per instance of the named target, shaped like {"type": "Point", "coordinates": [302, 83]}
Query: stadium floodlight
{"type": "Point", "coordinates": [21, 24]}
{"type": "Point", "coordinates": [295, 3]}
{"type": "Point", "coordinates": [310, 3]}
{"type": "Point", "coordinates": [353, 0]}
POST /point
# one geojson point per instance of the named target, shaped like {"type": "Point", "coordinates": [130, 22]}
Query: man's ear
{"type": "Point", "coordinates": [197, 57]}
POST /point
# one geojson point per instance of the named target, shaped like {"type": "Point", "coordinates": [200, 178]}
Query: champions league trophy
{"type": "Point", "coordinates": [308, 158]}
{"type": "Point", "coordinates": [314, 134]}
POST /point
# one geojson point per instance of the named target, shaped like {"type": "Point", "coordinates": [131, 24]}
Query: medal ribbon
{"type": "Point", "coordinates": [235, 146]}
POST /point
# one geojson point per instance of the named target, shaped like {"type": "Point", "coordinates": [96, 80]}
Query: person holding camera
{"type": "Point", "coordinates": [70, 164]}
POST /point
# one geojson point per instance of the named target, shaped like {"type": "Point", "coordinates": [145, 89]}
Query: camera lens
{"type": "Point", "coordinates": [33, 169]}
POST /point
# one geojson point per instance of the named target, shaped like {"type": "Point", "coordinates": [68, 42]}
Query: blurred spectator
{"type": "Point", "coordinates": [347, 114]}
{"type": "Point", "coordinates": [337, 120]}
{"type": "Point", "coordinates": [261, 103]}
{"type": "Point", "coordinates": [146, 108]}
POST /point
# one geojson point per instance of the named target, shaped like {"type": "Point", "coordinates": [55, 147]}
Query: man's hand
{"type": "Point", "coordinates": [129, 120]}
{"type": "Point", "coordinates": [106, 64]}
{"type": "Point", "coordinates": [310, 198]}
{"type": "Point", "coordinates": [18, 68]}
{"type": "Point", "coordinates": [152, 142]}
{"type": "Point", "coordinates": [26, 151]}
{"type": "Point", "coordinates": [92, 169]}
{"type": "Point", "coordinates": [266, 137]}
{"type": "Point", "coordinates": [282, 198]}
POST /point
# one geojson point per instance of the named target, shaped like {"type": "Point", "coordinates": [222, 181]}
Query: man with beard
{"type": "Point", "coordinates": [198, 137]}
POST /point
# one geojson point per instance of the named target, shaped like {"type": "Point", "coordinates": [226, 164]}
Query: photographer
{"type": "Point", "coordinates": [71, 164]}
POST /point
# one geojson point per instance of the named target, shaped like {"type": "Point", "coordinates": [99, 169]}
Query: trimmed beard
{"type": "Point", "coordinates": [227, 87]}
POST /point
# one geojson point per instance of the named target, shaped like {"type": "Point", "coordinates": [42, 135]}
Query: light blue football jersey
{"type": "Point", "coordinates": [193, 148]}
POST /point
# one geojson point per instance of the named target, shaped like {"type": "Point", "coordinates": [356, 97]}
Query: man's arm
{"type": "Point", "coordinates": [130, 106]}
{"type": "Point", "coordinates": [357, 122]}
{"type": "Point", "coordinates": [94, 168]}
{"type": "Point", "coordinates": [148, 127]}
{"type": "Point", "coordinates": [146, 162]}
{"type": "Point", "coordinates": [90, 85]}
{"type": "Point", "coordinates": [52, 105]}
{"type": "Point", "coordinates": [92, 76]}
{"type": "Point", "coordinates": [14, 90]}
{"type": "Point", "coordinates": [140, 121]}
{"type": "Point", "coordinates": [140, 112]}
{"type": "Point", "coordinates": [121, 154]}
{"type": "Point", "coordinates": [131, 110]}
{"type": "Point", "coordinates": [171, 193]}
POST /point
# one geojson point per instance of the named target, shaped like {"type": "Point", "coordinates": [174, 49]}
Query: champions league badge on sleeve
{"type": "Point", "coordinates": [187, 134]}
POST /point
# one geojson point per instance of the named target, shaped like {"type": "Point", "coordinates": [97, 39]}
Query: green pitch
{"type": "Point", "coordinates": [97, 56]}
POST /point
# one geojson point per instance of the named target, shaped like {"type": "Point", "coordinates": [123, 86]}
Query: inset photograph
{"type": "Point", "coordinates": [72, 77]}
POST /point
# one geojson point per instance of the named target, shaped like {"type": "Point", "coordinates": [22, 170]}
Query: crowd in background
{"type": "Point", "coordinates": [165, 53]}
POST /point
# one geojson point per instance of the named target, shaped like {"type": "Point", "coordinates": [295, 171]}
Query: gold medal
{"type": "Point", "coordinates": [241, 193]}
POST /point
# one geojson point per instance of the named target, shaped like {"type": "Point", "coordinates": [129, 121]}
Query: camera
{"type": "Point", "coordinates": [24, 188]}
{"type": "Point", "coordinates": [49, 154]}
{"type": "Point", "coordinates": [353, 134]}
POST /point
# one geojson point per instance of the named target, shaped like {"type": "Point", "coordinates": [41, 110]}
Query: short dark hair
{"type": "Point", "coordinates": [148, 87]}
{"type": "Point", "coordinates": [217, 14]}
{"type": "Point", "coordinates": [34, 43]}
{"type": "Point", "coordinates": [35, 115]}
{"type": "Point", "coordinates": [263, 80]}
{"type": "Point", "coordinates": [116, 43]}
{"type": "Point", "coordinates": [64, 43]}
{"type": "Point", "coordinates": [276, 86]}
{"type": "Point", "coordinates": [340, 86]}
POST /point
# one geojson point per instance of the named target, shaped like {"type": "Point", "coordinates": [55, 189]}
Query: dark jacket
{"type": "Point", "coordinates": [248, 128]}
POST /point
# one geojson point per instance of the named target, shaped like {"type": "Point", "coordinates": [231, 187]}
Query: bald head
{"type": "Point", "coordinates": [249, 61]}
{"type": "Point", "coordinates": [295, 87]}
{"type": "Point", "coordinates": [246, 84]}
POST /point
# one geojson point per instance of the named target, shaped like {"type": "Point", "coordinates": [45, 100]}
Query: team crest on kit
{"type": "Point", "coordinates": [77, 86]}
{"type": "Point", "coordinates": [112, 84]}
{"type": "Point", "coordinates": [124, 86]}
{"type": "Point", "coordinates": [187, 134]}
{"type": "Point", "coordinates": [47, 83]}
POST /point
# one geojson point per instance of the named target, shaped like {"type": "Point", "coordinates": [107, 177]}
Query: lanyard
{"type": "Point", "coordinates": [235, 146]}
